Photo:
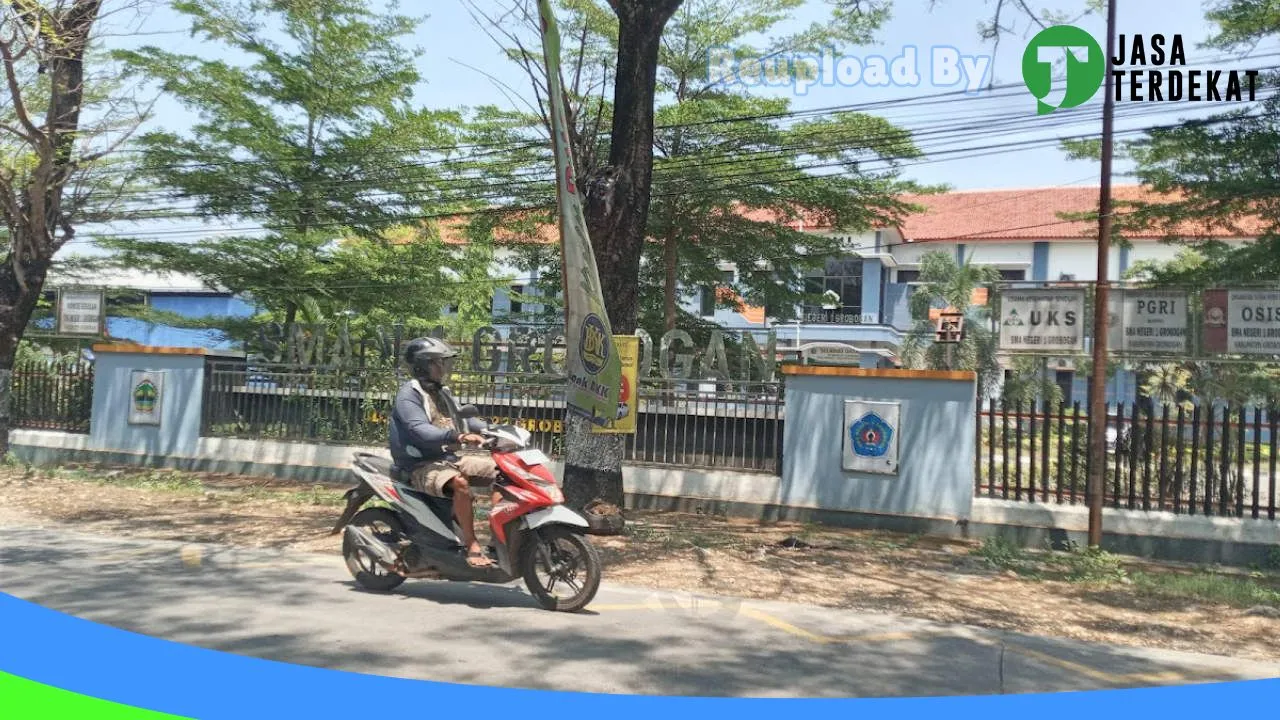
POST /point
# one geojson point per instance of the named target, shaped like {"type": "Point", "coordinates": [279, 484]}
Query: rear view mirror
{"type": "Point", "coordinates": [468, 411]}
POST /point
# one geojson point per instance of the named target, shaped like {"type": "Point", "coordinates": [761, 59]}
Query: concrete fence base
{"type": "Point", "coordinates": [1199, 539]}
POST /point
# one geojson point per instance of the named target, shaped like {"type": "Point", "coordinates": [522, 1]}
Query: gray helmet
{"type": "Point", "coordinates": [419, 353]}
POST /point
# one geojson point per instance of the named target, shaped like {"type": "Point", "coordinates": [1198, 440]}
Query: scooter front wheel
{"type": "Point", "coordinates": [558, 557]}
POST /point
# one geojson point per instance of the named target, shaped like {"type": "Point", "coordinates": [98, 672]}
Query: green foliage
{"type": "Point", "coordinates": [1091, 565]}
{"type": "Point", "coordinates": [946, 283]}
{"type": "Point", "coordinates": [1217, 171]}
{"type": "Point", "coordinates": [1002, 554]}
{"type": "Point", "coordinates": [1273, 558]}
{"type": "Point", "coordinates": [1210, 587]}
{"type": "Point", "coordinates": [706, 168]}
{"type": "Point", "coordinates": [316, 139]}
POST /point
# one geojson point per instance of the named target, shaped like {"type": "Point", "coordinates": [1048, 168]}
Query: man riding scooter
{"type": "Point", "coordinates": [425, 432]}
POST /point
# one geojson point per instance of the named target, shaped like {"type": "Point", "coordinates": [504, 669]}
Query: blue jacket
{"type": "Point", "coordinates": [414, 438]}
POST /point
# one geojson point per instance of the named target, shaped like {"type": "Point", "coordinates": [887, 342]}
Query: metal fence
{"type": "Point", "coordinates": [52, 395]}
{"type": "Point", "coordinates": [734, 426]}
{"type": "Point", "coordinates": [1202, 459]}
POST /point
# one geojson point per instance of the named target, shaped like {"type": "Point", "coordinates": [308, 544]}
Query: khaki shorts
{"type": "Point", "coordinates": [433, 478]}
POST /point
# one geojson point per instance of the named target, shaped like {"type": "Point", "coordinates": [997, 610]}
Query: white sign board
{"type": "Point", "coordinates": [146, 397]}
{"type": "Point", "coordinates": [1148, 321]}
{"type": "Point", "coordinates": [871, 436]}
{"type": "Point", "coordinates": [1253, 322]}
{"type": "Point", "coordinates": [831, 354]}
{"type": "Point", "coordinates": [80, 312]}
{"type": "Point", "coordinates": [1042, 319]}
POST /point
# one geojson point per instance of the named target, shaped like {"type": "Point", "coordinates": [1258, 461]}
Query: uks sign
{"type": "Point", "coordinates": [1042, 320]}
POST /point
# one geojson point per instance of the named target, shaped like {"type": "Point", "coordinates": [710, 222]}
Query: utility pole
{"type": "Point", "coordinates": [1098, 393]}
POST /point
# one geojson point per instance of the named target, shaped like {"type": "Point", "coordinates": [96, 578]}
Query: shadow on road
{"type": "Point", "coordinates": [250, 603]}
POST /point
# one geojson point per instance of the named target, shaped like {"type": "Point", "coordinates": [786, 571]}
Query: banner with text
{"type": "Point", "coordinates": [592, 364]}
{"type": "Point", "coordinates": [1042, 319]}
{"type": "Point", "coordinates": [1148, 321]}
{"type": "Point", "coordinates": [624, 422]}
{"type": "Point", "coordinates": [1242, 322]}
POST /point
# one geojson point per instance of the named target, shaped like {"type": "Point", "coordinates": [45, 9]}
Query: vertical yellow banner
{"type": "Point", "coordinates": [628, 388]}
{"type": "Point", "coordinates": [591, 362]}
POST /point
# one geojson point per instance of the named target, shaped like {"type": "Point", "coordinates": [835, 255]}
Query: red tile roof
{"type": "Point", "coordinates": [1035, 214]}
{"type": "Point", "coordinates": [969, 216]}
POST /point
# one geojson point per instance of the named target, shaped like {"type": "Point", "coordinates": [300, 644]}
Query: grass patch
{"type": "Point", "coordinates": [1203, 586]}
{"type": "Point", "coordinates": [1003, 554]}
{"type": "Point", "coordinates": [1091, 565]}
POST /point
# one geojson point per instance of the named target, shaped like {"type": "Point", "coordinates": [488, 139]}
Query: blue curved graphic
{"type": "Point", "coordinates": [98, 661]}
{"type": "Point", "coordinates": [870, 435]}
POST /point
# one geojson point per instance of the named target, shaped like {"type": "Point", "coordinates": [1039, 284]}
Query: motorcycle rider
{"type": "Point", "coordinates": [425, 432]}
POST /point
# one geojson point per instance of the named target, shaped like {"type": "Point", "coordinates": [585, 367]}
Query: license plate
{"type": "Point", "coordinates": [533, 457]}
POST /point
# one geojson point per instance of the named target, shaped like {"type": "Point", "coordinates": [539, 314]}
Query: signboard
{"type": "Point", "coordinates": [830, 354]}
{"type": "Point", "coordinates": [949, 329]}
{"type": "Point", "coordinates": [1242, 322]}
{"type": "Point", "coordinates": [629, 392]}
{"type": "Point", "coordinates": [80, 312]}
{"type": "Point", "coordinates": [594, 371]}
{"type": "Point", "coordinates": [1042, 319]}
{"type": "Point", "coordinates": [1151, 321]}
{"type": "Point", "coordinates": [871, 437]}
{"type": "Point", "coordinates": [146, 397]}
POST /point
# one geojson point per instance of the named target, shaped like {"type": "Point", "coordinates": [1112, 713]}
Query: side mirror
{"type": "Point", "coordinates": [468, 411]}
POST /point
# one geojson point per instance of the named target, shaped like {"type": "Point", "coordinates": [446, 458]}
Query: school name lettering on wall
{"type": "Point", "coordinates": [673, 355]}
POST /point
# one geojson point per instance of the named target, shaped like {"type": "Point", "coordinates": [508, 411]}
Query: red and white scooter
{"type": "Point", "coordinates": [535, 536]}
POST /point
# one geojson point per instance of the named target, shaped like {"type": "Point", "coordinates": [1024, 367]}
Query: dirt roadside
{"type": "Point", "coordinates": [1098, 598]}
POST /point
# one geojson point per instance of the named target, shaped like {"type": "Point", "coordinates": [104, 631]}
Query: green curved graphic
{"type": "Point", "coordinates": [1085, 66]}
{"type": "Point", "coordinates": [22, 699]}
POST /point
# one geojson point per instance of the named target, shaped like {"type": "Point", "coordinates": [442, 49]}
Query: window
{"type": "Point", "coordinates": [1065, 381]}
{"type": "Point", "coordinates": [908, 276]}
{"type": "Point", "coordinates": [707, 299]}
{"type": "Point", "coordinates": [1013, 275]}
{"type": "Point", "coordinates": [516, 307]}
{"type": "Point", "coordinates": [841, 290]}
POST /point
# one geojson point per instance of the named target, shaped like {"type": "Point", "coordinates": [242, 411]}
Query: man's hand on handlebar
{"type": "Point", "coordinates": [471, 439]}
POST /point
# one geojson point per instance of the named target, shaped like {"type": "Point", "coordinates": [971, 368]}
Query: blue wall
{"type": "Point", "coordinates": [897, 311]}
{"type": "Point", "coordinates": [936, 451]}
{"type": "Point", "coordinates": [196, 306]}
{"type": "Point", "coordinates": [181, 395]}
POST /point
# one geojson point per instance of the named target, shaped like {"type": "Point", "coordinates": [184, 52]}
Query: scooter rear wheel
{"type": "Point", "coordinates": [385, 526]}
{"type": "Point", "coordinates": [575, 562]}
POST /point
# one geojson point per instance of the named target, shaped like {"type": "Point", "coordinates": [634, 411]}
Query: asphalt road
{"type": "Point", "coordinates": [306, 609]}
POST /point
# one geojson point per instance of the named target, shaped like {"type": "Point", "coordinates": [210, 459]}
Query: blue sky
{"type": "Point", "coordinates": [452, 41]}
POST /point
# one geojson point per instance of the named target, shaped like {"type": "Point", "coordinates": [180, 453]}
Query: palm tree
{"type": "Point", "coordinates": [949, 285]}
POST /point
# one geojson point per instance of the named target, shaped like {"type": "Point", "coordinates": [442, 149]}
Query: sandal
{"type": "Point", "coordinates": [479, 555]}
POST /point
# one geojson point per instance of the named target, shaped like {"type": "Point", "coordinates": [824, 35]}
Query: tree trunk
{"type": "Point", "coordinates": [16, 307]}
{"type": "Point", "coordinates": [671, 258]}
{"type": "Point", "coordinates": [617, 210]}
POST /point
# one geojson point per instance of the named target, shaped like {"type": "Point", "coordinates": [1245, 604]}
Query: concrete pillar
{"type": "Point", "coordinates": [148, 401]}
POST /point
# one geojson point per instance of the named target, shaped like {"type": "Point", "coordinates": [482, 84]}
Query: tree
{"type": "Point", "coordinates": [949, 285]}
{"type": "Point", "coordinates": [316, 141]}
{"type": "Point", "coordinates": [60, 126]}
{"type": "Point", "coordinates": [708, 163]}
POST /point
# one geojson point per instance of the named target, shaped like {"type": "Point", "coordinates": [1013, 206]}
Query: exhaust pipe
{"type": "Point", "coordinates": [376, 547]}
